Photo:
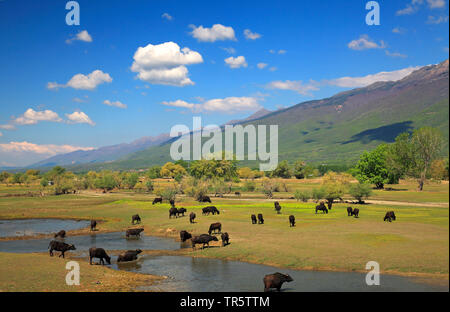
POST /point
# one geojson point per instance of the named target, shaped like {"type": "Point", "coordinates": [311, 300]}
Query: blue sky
{"type": "Point", "coordinates": [55, 78]}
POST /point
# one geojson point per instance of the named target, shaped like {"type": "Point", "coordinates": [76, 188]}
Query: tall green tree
{"type": "Point", "coordinates": [282, 170]}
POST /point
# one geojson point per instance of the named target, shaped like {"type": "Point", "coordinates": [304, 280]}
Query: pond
{"type": "Point", "coordinates": [29, 227]}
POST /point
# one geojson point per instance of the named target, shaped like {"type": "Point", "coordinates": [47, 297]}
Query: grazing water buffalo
{"type": "Point", "coordinates": [135, 219]}
{"type": "Point", "coordinates": [254, 219]}
{"type": "Point", "coordinates": [173, 212]}
{"type": "Point", "coordinates": [329, 204]}
{"type": "Point", "coordinates": [185, 235]}
{"type": "Point", "coordinates": [192, 217]}
{"type": "Point", "coordinates": [355, 212]}
{"type": "Point", "coordinates": [225, 239]}
{"type": "Point", "coordinates": [172, 202]}
{"type": "Point", "coordinates": [277, 207]}
{"type": "Point", "coordinates": [349, 211]}
{"type": "Point", "coordinates": [204, 199]}
{"type": "Point", "coordinates": [61, 234]}
{"type": "Point", "coordinates": [181, 211]}
{"type": "Point", "coordinates": [210, 209]}
{"type": "Point", "coordinates": [275, 280]}
{"type": "Point", "coordinates": [129, 255]}
{"type": "Point", "coordinates": [99, 253]}
{"type": "Point", "coordinates": [237, 193]}
{"type": "Point", "coordinates": [60, 246]}
{"type": "Point", "coordinates": [322, 208]}
{"type": "Point", "coordinates": [157, 200]}
{"type": "Point", "coordinates": [134, 232]}
{"type": "Point", "coordinates": [93, 225]}
{"type": "Point", "coordinates": [390, 215]}
{"type": "Point", "coordinates": [291, 220]}
{"type": "Point", "coordinates": [260, 218]}
{"type": "Point", "coordinates": [215, 227]}
{"type": "Point", "coordinates": [203, 239]}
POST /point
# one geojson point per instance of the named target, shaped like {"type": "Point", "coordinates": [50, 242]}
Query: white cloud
{"type": "Point", "coordinates": [48, 149]}
{"type": "Point", "coordinates": [273, 68]}
{"type": "Point", "coordinates": [215, 33]}
{"type": "Point", "coordinates": [279, 51]}
{"type": "Point", "coordinates": [408, 10]}
{"type": "Point", "coordinates": [395, 54]}
{"type": "Point", "coordinates": [228, 105]}
{"type": "Point", "coordinates": [435, 4]}
{"type": "Point", "coordinates": [435, 20]}
{"type": "Point", "coordinates": [79, 117]}
{"type": "Point", "coordinates": [116, 104]}
{"type": "Point", "coordinates": [414, 6]}
{"type": "Point", "coordinates": [81, 36]}
{"type": "Point", "coordinates": [83, 82]}
{"type": "Point", "coordinates": [365, 43]}
{"type": "Point", "coordinates": [229, 50]}
{"type": "Point", "coordinates": [1, 134]}
{"type": "Point", "coordinates": [7, 127]}
{"type": "Point", "coordinates": [167, 16]}
{"type": "Point", "coordinates": [31, 117]}
{"type": "Point", "coordinates": [398, 30]}
{"type": "Point", "coordinates": [251, 35]}
{"type": "Point", "coordinates": [165, 64]}
{"type": "Point", "coordinates": [236, 62]}
{"type": "Point", "coordinates": [261, 65]}
{"type": "Point", "coordinates": [297, 86]}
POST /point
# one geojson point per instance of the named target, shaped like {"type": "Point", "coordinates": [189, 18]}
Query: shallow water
{"type": "Point", "coordinates": [29, 227]}
{"type": "Point", "coordinates": [210, 275]}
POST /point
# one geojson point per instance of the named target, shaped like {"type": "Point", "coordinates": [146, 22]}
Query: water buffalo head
{"type": "Point", "coordinates": [71, 247]}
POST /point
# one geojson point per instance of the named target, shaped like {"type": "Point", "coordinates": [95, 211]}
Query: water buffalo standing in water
{"type": "Point", "coordinates": [129, 255]}
{"type": "Point", "coordinates": [181, 211]}
{"type": "Point", "coordinates": [215, 227]}
{"type": "Point", "coordinates": [390, 215]}
{"type": "Point", "coordinates": [99, 253]}
{"type": "Point", "coordinates": [203, 239]}
{"type": "Point", "coordinates": [277, 207]}
{"type": "Point", "coordinates": [291, 220]}
{"type": "Point", "coordinates": [355, 212]}
{"type": "Point", "coordinates": [192, 217]}
{"type": "Point", "coordinates": [185, 235]}
{"type": "Point", "coordinates": [225, 239]}
{"type": "Point", "coordinates": [204, 199]}
{"type": "Point", "coordinates": [173, 212]}
{"type": "Point", "coordinates": [254, 219]}
{"type": "Point", "coordinates": [93, 225]}
{"type": "Point", "coordinates": [61, 234]}
{"type": "Point", "coordinates": [60, 246]}
{"type": "Point", "coordinates": [134, 232]}
{"type": "Point", "coordinates": [260, 218]}
{"type": "Point", "coordinates": [157, 200]}
{"type": "Point", "coordinates": [321, 207]}
{"type": "Point", "coordinates": [275, 280]}
{"type": "Point", "coordinates": [135, 219]}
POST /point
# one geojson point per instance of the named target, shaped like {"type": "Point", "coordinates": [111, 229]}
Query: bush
{"type": "Point", "coordinates": [359, 191]}
{"type": "Point", "coordinates": [249, 186]}
{"type": "Point", "coordinates": [318, 193]}
{"type": "Point", "coordinates": [302, 195]}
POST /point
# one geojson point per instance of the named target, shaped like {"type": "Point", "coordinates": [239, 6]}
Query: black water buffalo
{"type": "Point", "coordinates": [204, 199]}
{"type": "Point", "coordinates": [60, 246]}
{"type": "Point", "coordinates": [214, 210]}
{"type": "Point", "coordinates": [215, 227]}
{"type": "Point", "coordinates": [260, 218]}
{"type": "Point", "coordinates": [291, 220]}
{"type": "Point", "coordinates": [157, 200]}
{"type": "Point", "coordinates": [172, 202]}
{"type": "Point", "coordinates": [237, 193]}
{"type": "Point", "coordinates": [355, 212]}
{"type": "Point", "coordinates": [93, 225]}
{"type": "Point", "coordinates": [99, 253]}
{"type": "Point", "coordinates": [203, 239]}
{"type": "Point", "coordinates": [225, 239]}
{"type": "Point", "coordinates": [277, 207]}
{"type": "Point", "coordinates": [275, 280]}
{"type": "Point", "coordinates": [254, 219]}
{"type": "Point", "coordinates": [185, 235]}
{"type": "Point", "coordinates": [322, 208]}
{"type": "Point", "coordinates": [135, 219]}
{"type": "Point", "coordinates": [181, 211]}
{"type": "Point", "coordinates": [129, 255]}
{"type": "Point", "coordinates": [134, 232]}
{"type": "Point", "coordinates": [390, 215]}
{"type": "Point", "coordinates": [329, 204]}
{"type": "Point", "coordinates": [349, 211]}
{"type": "Point", "coordinates": [192, 217]}
{"type": "Point", "coordinates": [173, 212]}
{"type": "Point", "coordinates": [61, 234]}
{"type": "Point", "coordinates": [210, 209]}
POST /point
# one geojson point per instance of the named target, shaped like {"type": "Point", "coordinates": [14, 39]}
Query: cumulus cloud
{"type": "Point", "coordinates": [167, 16]}
{"type": "Point", "coordinates": [414, 6]}
{"type": "Point", "coordinates": [116, 104]}
{"type": "Point", "coordinates": [398, 30]}
{"type": "Point", "coordinates": [83, 82]}
{"type": "Point", "coordinates": [395, 54]}
{"type": "Point", "coordinates": [81, 36]}
{"type": "Point", "coordinates": [436, 4]}
{"type": "Point", "coordinates": [217, 32]}
{"type": "Point", "coordinates": [365, 43]}
{"type": "Point", "coordinates": [229, 50]}
{"type": "Point", "coordinates": [277, 52]}
{"type": "Point", "coordinates": [251, 35]}
{"type": "Point", "coordinates": [7, 127]}
{"type": "Point", "coordinates": [48, 149]}
{"type": "Point", "coordinates": [78, 118]}
{"type": "Point", "coordinates": [227, 105]}
{"type": "Point", "coordinates": [236, 62]}
{"type": "Point", "coordinates": [261, 65]}
{"type": "Point", "coordinates": [437, 20]}
{"type": "Point", "coordinates": [297, 86]}
{"type": "Point", "coordinates": [31, 117]}
{"type": "Point", "coordinates": [165, 64]}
